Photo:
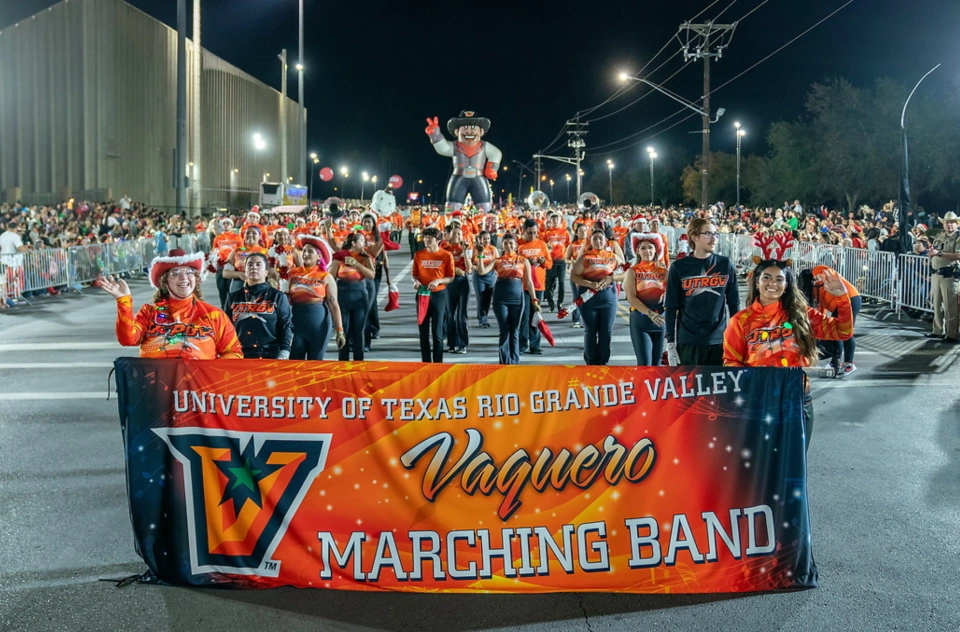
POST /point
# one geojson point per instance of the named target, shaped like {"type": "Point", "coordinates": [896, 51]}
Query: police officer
{"type": "Point", "coordinates": [945, 280]}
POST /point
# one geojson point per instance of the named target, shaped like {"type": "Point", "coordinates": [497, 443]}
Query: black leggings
{"type": "Point", "coordinates": [458, 293]}
{"type": "Point", "coordinates": [483, 287]}
{"type": "Point", "coordinates": [508, 319]}
{"type": "Point", "coordinates": [354, 307]}
{"type": "Point", "coordinates": [598, 314]}
{"type": "Point", "coordinates": [311, 331]}
{"type": "Point", "coordinates": [431, 329]}
{"type": "Point", "coordinates": [647, 343]}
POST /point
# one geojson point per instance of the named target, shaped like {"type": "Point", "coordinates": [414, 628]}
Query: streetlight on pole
{"type": "Point", "coordinates": [302, 122]}
{"type": "Point", "coordinates": [740, 134]}
{"type": "Point", "coordinates": [610, 169]}
{"type": "Point", "coordinates": [551, 190]}
{"type": "Point", "coordinates": [363, 185]}
{"type": "Point", "coordinates": [653, 154]}
{"type": "Point", "coordinates": [903, 201]}
{"type": "Point", "coordinates": [344, 174]}
{"type": "Point", "coordinates": [568, 187]}
{"type": "Point", "coordinates": [316, 161]}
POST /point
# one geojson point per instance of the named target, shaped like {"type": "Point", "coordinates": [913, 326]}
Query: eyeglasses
{"type": "Point", "coordinates": [176, 274]}
{"type": "Point", "coordinates": [710, 235]}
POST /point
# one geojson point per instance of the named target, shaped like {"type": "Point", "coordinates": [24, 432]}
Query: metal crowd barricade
{"type": "Point", "coordinates": [914, 274]}
{"type": "Point", "coordinates": [44, 269]}
{"type": "Point", "coordinates": [872, 272]}
{"type": "Point", "coordinates": [11, 277]}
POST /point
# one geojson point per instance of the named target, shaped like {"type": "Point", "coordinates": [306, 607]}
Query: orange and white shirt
{"type": "Point", "coordinates": [557, 240]}
{"type": "Point", "coordinates": [509, 266]}
{"type": "Point", "coordinates": [533, 250]}
{"type": "Point", "coordinates": [308, 285]}
{"type": "Point", "coordinates": [761, 335]}
{"type": "Point", "coordinates": [598, 264]}
{"type": "Point", "coordinates": [432, 266]}
{"type": "Point", "coordinates": [177, 328]}
{"type": "Point", "coordinates": [651, 283]}
{"type": "Point", "coordinates": [224, 244]}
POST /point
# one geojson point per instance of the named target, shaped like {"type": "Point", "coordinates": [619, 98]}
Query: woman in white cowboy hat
{"type": "Point", "coordinates": [177, 324]}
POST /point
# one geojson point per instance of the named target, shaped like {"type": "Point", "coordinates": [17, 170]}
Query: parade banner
{"type": "Point", "coordinates": [467, 478]}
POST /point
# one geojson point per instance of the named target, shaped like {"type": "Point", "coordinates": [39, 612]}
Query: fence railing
{"type": "Point", "coordinates": [38, 270]}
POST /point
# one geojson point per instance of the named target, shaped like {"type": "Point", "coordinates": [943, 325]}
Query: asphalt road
{"type": "Point", "coordinates": [884, 492]}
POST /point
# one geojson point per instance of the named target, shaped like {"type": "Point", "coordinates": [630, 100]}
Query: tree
{"type": "Point", "coordinates": [723, 179]}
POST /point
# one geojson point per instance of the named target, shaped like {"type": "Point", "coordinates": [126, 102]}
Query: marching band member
{"type": "Point", "coordinates": [352, 267]}
{"type": "Point", "coordinates": [594, 270]}
{"type": "Point", "coordinates": [483, 283]}
{"type": "Point", "coordinates": [261, 313]}
{"type": "Point", "coordinates": [433, 269]}
{"type": "Point", "coordinates": [514, 277]}
{"type": "Point", "coordinates": [645, 285]}
{"type": "Point", "coordinates": [313, 297]}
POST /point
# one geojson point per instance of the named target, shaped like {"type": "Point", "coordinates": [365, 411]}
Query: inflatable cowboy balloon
{"type": "Point", "coordinates": [475, 161]}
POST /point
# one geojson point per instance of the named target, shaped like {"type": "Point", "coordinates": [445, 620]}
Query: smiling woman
{"type": "Point", "coordinates": [177, 324]}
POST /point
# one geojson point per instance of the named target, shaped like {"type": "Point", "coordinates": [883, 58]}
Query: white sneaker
{"type": "Point", "coordinates": [849, 368]}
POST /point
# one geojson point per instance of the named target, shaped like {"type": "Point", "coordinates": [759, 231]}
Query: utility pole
{"type": "Point", "coordinates": [283, 114]}
{"type": "Point", "coordinates": [577, 143]}
{"type": "Point", "coordinates": [180, 168]}
{"type": "Point", "coordinates": [301, 129]}
{"type": "Point", "coordinates": [705, 41]}
{"type": "Point", "coordinates": [197, 71]}
{"type": "Point", "coordinates": [538, 172]}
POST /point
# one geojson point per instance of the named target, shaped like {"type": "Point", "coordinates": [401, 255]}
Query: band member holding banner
{"type": "Point", "coordinates": [594, 270]}
{"type": "Point", "coordinates": [483, 283]}
{"type": "Point", "coordinates": [261, 313]}
{"type": "Point", "coordinates": [178, 324]}
{"type": "Point", "coordinates": [701, 294]}
{"type": "Point", "coordinates": [433, 270]}
{"type": "Point", "coordinates": [779, 329]}
{"type": "Point", "coordinates": [313, 297]}
{"type": "Point", "coordinates": [513, 279]}
{"type": "Point", "coordinates": [475, 161]}
{"type": "Point", "coordinates": [645, 284]}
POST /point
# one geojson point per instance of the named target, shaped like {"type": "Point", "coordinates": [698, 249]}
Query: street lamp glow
{"type": "Point", "coordinates": [313, 155]}
{"type": "Point", "coordinates": [737, 124]}
{"type": "Point", "coordinates": [624, 76]}
{"type": "Point", "coordinates": [741, 132]}
{"type": "Point", "coordinates": [258, 142]}
{"type": "Point", "coordinates": [610, 165]}
{"type": "Point", "coordinates": [568, 177]}
{"type": "Point", "coordinates": [343, 171]}
{"type": "Point", "coordinates": [374, 179]}
{"type": "Point", "coordinates": [650, 150]}
{"type": "Point", "coordinates": [299, 67]}
{"type": "Point", "coordinates": [365, 176]}
{"type": "Point", "coordinates": [653, 154]}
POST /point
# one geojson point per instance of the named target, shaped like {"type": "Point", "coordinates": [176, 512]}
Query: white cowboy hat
{"type": "Point", "coordinates": [950, 217]}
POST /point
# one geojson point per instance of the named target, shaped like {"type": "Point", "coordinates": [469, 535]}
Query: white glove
{"type": "Point", "coordinates": [283, 355]}
{"type": "Point", "coordinates": [672, 356]}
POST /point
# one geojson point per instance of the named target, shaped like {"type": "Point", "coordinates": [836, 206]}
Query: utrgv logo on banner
{"type": "Point", "coordinates": [242, 489]}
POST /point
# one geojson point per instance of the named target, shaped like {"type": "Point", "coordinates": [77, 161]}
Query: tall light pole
{"type": "Point", "coordinates": [610, 169]}
{"type": "Point", "coordinates": [365, 177]}
{"type": "Point", "coordinates": [568, 187]}
{"type": "Point", "coordinates": [316, 161]}
{"type": "Point", "coordinates": [283, 110]}
{"type": "Point", "coordinates": [551, 190]}
{"type": "Point", "coordinates": [740, 134]}
{"type": "Point", "coordinates": [904, 196]}
{"type": "Point", "coordinates": [180, 155]}
{"type": "Point", "coordinates": [344, 174]}
{"type": "Point", "coordinates": [652, 153]}
{"type": "Point", "coordinates": [302, 123]}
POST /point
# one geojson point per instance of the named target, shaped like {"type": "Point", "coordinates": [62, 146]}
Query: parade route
{"type": "Point", "coordinates": [883, 481]}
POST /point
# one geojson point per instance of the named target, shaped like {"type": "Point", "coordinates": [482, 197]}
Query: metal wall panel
{"type": "Point", "coordinates": [88, 109]}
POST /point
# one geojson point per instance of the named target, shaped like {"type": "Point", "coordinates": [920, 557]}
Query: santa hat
{"type": "Point", "coordinates": [655, 238]}
{"type": "Point", "coordinates": [326, 252]}
{"type": "Point", "coordinates": [177, 258]}
{"type": "Point", "coordinates": [638, 218]}
{"type": "Point", "coordinates": [922, 228]}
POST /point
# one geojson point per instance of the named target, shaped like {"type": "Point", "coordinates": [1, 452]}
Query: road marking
{"type": "Point", "coordinates": [67, 345]}
{"type": "Point", "coordinates": [57, 365]}
{"type": "Point", "coordinates": [396, 281]}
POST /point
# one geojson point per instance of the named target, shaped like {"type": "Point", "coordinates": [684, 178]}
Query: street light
{"type": "Point", "coordinates": [551, 190]}
{"type": "Point", "coordinates": [366, 178]}
{"type": "Point", "coordinates": [610, 168]}
{"type": "Point", "coordinates": [258, 142]}
{"type": "Point", "coordinates": [653, 154]}
{"type": "Point", "coordinates": [344, 173]}
{"type": "Point", "coordinates": [569, 178]}
{"type": "Point", "coordinates": [740, 134]}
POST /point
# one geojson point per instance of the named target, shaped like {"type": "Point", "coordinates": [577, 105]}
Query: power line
{"type": "Point", "coordinates": [782, 47]}
{"type": "Point", "coordinates": [717, 16]}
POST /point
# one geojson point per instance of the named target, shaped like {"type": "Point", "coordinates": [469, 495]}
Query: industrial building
{"type": "Point", "coordinates": [88, 111]}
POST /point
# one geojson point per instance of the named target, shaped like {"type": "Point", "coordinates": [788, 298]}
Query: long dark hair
{"type": "Point", "coordinates": [793, 303]}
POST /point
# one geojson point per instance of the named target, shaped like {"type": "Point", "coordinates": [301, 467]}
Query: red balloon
{"type": "Point", "coordinates": [326, 174]}
{"type": "Point", "coordinates": [396, 182]}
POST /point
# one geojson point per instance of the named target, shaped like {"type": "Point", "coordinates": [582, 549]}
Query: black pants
{"type": "Point", "coordinates": [647, 343]}
{"type": "Point", "coordinates": [458, 293]}
{"type": "Point", "coordinates": [508, 319]}
{"type": "Point", "coordinates": [311, 331]}
{"type": "Point", "coordinates": [354, 306]}
{"type": "Point", "coordinates": [598, 314]}
{"type": "Point", "coordinates": [223, 288]}
{"type": "Point", "coordinates": [483, 288]}
{"type": "Point", "coordinates": [373, 315]}
{"type": "Point", "coordinates": [431, 329]}
{"type": "Point", "coordinates": [478, 188]}
{"type": "Point", "coordinates": [415, 244]}
{"type": "Point", "coordinates": [529, 333]}
{"type": "Point", "coordinates": [843, 350]}
{"type": "Point", "coordinates": [555, 279]}
{"type": "Point", "coordinates": [700, 355]}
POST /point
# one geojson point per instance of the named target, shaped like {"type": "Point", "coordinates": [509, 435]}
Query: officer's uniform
{"type": "Point", "coordinates": [945, 283]}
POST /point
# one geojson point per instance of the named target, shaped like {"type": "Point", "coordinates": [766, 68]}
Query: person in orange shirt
{"type": "Point", "coordinates": [557, 240]}
{"type": "Point", "coordinates": [581, 236]}
{"type": "Point", "coordinates": [817, 297]}
{"type": "Point", "coordinates": [655, 228]}
{"type": "Point", "coordinates": [483, 283]}
{"type": "Point", "coordinates": [433, 269]}
{"type": "Point", "coordinates": [512, 272]}
{"type": "Point", "coordinates": [779, 329]}
{"type": "Point", "coordinates": [178, 324]}
{"type": "Point", "coordinates": [645, 284]}
{"type": "Point", "coordinates": [458, 293]}
{"type": "Point", "coordinates": [536, 252]}
{"type": "Point", "coordinates": [224, 244]}
{"type": "Point", "coordinates": [413, 230]}
{"type": "Point", "coordinates": [253, 220]}
{"type": "Point", "coordinates": [352, 267]}
{"type": "Point", "coordinates": [313, 299]}
{"type": "Point", "coordinates": [594, 270]}
{"type": "Point", "coordinates": [234, 267]}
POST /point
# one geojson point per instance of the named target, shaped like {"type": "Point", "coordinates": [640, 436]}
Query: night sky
{"type": "Point", "coordinates": [376, 70]}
